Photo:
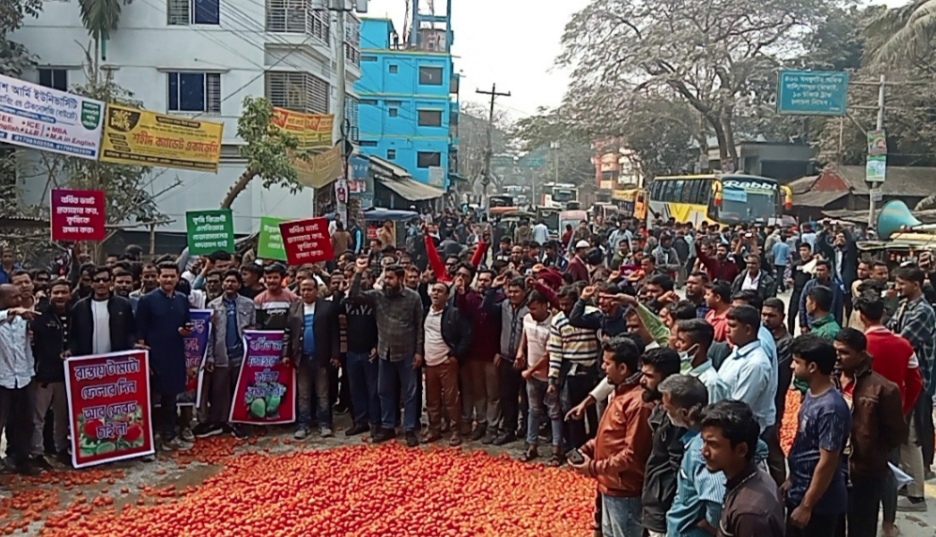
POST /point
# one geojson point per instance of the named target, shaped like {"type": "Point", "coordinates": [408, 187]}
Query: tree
{"type": "Point", "coordinates": [128, 189]}
{"type": "Point", "coordinates": [269, 151]}
{"type": "Point", "coordinates": [708, 55]}
{"type": "Point", "coordinates": [570, 147]}
{"type": "Point", "coordinates": [472, 140]}
{"type": "Point", "coordinates": [14, 58]}
{"type": "Point", "coordinates": [100, 18]}
{"type": "Point", "coordinates": [904, 35]}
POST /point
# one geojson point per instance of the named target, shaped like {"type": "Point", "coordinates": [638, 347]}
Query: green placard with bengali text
{"type": "Point", "coordinates": [209, 231]}
{"type": "Point", "coordinates": [270, 242]}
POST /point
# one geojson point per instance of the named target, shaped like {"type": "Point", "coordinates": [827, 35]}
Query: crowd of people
{"type": "Point", "coordinates": [577, 344]}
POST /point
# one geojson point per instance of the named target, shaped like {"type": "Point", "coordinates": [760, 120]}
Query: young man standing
{"type": "Point", "coordinates": [878, 428]}
{"type": "Point", "coordinates": [818, 306]}
{"type": "Point", "coordinates": [772, 314]}
{"type": "Point", "coordinates": [617, 456]}
{"type": "Point", "coordinates": [752, 505]}
{"type": "Point", "coordinates": [693, 340]}
{"type": "Point", "coordinates": [50, 343]}
{"type": "Point", "coordinates": [274, 303]}
{"type": "Point", "coordinates": [542, 402]}
{"type": "Point", "coordinates": [718, 300]}
{"type": "Point", "coordinates": [816, 495]}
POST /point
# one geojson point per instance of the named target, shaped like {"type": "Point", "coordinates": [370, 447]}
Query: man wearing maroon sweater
{"type": "Point", "coordinates": [479, 381]}
{"type": "Point", "coordinates": [721, 267]}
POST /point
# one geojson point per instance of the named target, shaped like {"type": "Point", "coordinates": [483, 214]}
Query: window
{"type": "Point", "coordinates": [368, 143]}
{"type": "Point", "coordinates": [430, 118]}
{"type": "Point", "coordinates": [427, 159]}
{"type": "Point", "coordinates": [368, 58]}
{"type": "Point", "coordinates": [694, 191]}
{"type": "Point", "coordinates": [687, 191]}
{"type": "Point", "coordinates": [430, 76]}
{"type": "Point", "coordinates": [677, 190]}
{"type": "Point", "coordinates": [187, 12]}
{"type": "Point", "coordinates": [395, 103]}
{"type": "Point", "coordinates": [54, 78]}
{"type": "Point", "coordinates": [297, 91]}
{"type": "Point", "coordinates": [392, 112]}
{"type": "Point", "coordinates": [351, 113]}
{"type": "Point", "coordinates": [391, 154]}
{"type": "Point", "coordinates": [667, 190]}
{"type": "Point", "coordinates": [368, 102]}
{"type": "Point", "coordinates": [195, 92]}
{"type": "Point", "coordinates": [394, 68]}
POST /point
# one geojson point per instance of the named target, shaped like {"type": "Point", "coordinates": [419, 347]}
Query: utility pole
{"type": "Point", "coordinates": [489, 151]}
{"type": "Point", "coordinates": [875, 187]}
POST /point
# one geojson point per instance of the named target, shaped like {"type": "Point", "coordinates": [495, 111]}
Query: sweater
{"type": "Point", "coordinates": [894, 359]}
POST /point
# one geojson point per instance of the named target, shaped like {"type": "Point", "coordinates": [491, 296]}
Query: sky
{"type": "Point", "coordinates": [513, 43]}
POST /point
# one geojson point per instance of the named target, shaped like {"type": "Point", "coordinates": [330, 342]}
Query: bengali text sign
{"type": "Point", "coordinates": [266, 387]}
{"type": "Point", "coordinates": [48, 119]}
{"type": "Point", "coordinates": [823, 93]}
{"type": "Point", "coordinates": [312, 130]}
{"type": "Point", "coordinates": [210, 231]}
{"type": "Point", "coordinates": [144, 137]}
{"type": "Point", "coordinates": [196, 346]}
{"type": "Point", "coordinates": [318, 171]}
{"type": "Point", "coordinates": [78, 215]}
{"type": "Point", "coordinates": [306, 241]}
{"type": "Point", "coordinates": [270, 241]}
{"type": "Point", "coordinates": [109, 407]}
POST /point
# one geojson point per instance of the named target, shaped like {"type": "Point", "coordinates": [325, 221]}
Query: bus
{"type": "Point", "coordinates": [633, 202]}
{"type": "Point", "coordinates": [559, 194]}
{"type": "Point", "coordinates": [723, 199]}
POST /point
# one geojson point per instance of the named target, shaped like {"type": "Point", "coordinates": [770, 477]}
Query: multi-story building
{"type": "Point", "coordinates": [202, 58]}
{"type": "Point", "coordinates": [409, 97]}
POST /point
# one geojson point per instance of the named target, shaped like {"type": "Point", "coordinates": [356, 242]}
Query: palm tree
{"type": "Point", "coordinates": [100, 18]}
{"type": "Point", "coordinates": [904, 34]}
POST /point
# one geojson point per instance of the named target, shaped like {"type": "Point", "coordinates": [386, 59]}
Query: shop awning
{"type": "Point", "coordinates": [411, 189]}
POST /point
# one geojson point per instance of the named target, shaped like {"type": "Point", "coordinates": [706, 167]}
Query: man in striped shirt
{"type": "Point", "coordinates": [573, 365]}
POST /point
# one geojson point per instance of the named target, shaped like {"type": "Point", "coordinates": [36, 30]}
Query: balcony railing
{"type": "Point", "coordinates": [297, 17]}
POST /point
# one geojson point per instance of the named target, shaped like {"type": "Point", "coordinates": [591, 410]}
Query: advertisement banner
{"type": "Point", "coordinates": [210, 231]}
{"type": "Point", "coordinates": [307, 241]}
{"type": "Point", "coordinates": [109, 407]}
{"type": "Point", "coordinates": [266, 387]}
{"type": "Point", "coordinates": [48, 119]}
{"type": "Point", "coordinates": [196, 347]}
{"type": "Point", "coordinates": [319, 170]}
{"type": "Point", "coordinates": [359, 167]}
{"type": "Point", "coordinates": [312, 130]}
{"type": "Point", "coordinates": [78, 215]}
{"type": "Point", "coordinates": [146, 138]}
{"type": "Point", "coordinates": [270, 241]}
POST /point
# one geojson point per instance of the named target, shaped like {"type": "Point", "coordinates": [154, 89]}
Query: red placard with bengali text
{"type": "Point", "coordinates": [78, 215]}
{"type": "Point", "coordinates": [109, 407]}
{"type": "Point", "coordinates": [306, 241]}
{"type": "Point", "coordinates": [266, 387]}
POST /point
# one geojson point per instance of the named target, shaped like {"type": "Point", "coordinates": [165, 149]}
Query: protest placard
{"type": "Point", "coordinates": [266, 387]}
{"type": "Point", "coordinates": [306, 241]}
{"type": "Point", "coordinates": [210, 231]}
{"type": "Point", "coordinates": [78, 215]}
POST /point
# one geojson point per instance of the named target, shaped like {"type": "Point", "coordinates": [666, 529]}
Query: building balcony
{"type": "Point", "coordinates": [297, 17]}
{"type": "Point", "coordinates": [302, 92]}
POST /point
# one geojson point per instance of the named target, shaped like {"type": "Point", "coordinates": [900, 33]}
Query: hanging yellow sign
{"type": "Point", "coordinates": [147, 138]}
{"type": "Point", "coordinates": [313, 131]}
{"type": "Point", "coordinates": [319, 170]}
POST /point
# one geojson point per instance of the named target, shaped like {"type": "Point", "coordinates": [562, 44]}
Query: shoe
{"type": "Point", "coordinates": [455, 440]}
{"type": "Point", "coordinates": [911, 504]}
{"type": "Point", "coordinates": [206, 430]}
{"type": "Point", "coordinates": [929, 475]}
{"type": "Point", "coordinates": [340, 409]}
{"type": "Point", "coordinates": [431, 436]}
{"type": "Point", "coordinates": [478, 432]}
{"type": "Point", "coordinates": [64, 457]}
{"type": "Point", "coordinates": [235, 430]}
{"type": "Point", "coordinates": [176, 444]}
{"type": "Point", "coordinates": [374, 429]}
{"type": "Point", "coordinates": [489, 439]}
{"type": "Point", "coordinates": [186, 435]}
{"type": "Point", "coordinates": [326, 432]}
{"type": "Point", "coordinates": [382, 435]}
{"type": "Point", "coordinates": [41, 463]}
{"type": "Point", "coordinates": [504, 439]}
{"type": "Point", "coordinates": [29, 469]}
{"type": "Point", "coordinates": [301, 433]}
{"type": "Point", "coordinates": [411, 439]}
{"type": "Point", "coordinates": [465, 429]}
{"type": "Point", "coordinates": [357, 429]}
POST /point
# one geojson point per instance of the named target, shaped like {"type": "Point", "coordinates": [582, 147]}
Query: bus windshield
{"type": "Point", "coordinates": [562, 195]}
{"type": "Point", "coordinates": [747, 206]}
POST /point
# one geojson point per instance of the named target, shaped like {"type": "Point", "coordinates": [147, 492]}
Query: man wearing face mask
{"type": "Point", "coordinates": [400, 338]}
{"type": "Point", "coordinates": [693, 340]}
{"type": "Point", "coordinates": [825, 278]}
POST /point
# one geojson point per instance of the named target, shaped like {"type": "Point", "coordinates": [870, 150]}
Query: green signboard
{"type": "Point", "coordinates": [210, 231]}
{"type": "Point", "coordinates": [270, 242]}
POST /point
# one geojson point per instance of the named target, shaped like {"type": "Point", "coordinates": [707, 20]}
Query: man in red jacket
{"type": "Point", "coordinates": [577, 268]}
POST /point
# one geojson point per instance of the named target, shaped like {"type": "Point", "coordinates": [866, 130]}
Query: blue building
{"type": "Point", "coordinates": [408, 108]}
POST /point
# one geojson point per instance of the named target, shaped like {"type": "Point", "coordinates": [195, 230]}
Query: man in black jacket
{"type": "Point", "coordinates": [447, 337]}
{"type": "Point", "coordinates": [312, 345]}
{"type": "Point", "coordinates": [102, 322]}
{"type": "Point", "coordinates": [50, 335]}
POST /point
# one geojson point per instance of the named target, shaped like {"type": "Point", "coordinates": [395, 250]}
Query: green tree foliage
{"type": "Point", "coordinates": [268, 150]}
{"type": "Point", "coordinates": [14, 58]}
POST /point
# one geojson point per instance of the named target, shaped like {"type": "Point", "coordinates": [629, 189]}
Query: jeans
{"type": "Point", "coordinates": [779, 271]}
{"type": "Point", "coordinates": [310, 377]}
{"type": "Point", "coordinates": [776, 459]}
{"type": "Point", "coordinates": [510, 393]}
{"type": "Point", "coordinates": [16, 419]}
{"type": "Point", "coordinates": [168, 414]}
{"type": "Point", "coordinates": [388, 374]}
{"type": "Point", "coordinates": [220, 385]}
{"type": "Point", "coordinates": [574, 390]}
{"type": "Point", "coordinates": [923, 421]}
{"type": "Point", "coordinates": [620, 516]}
{"type": "Point", "coordinates": [820, 525]}
{"type": "Point", "coordinates": [50, 395]}
{"type": "Point", "coordinates": [889, 494]}
{"type": "Point", "coordinates": [362, 381]}
{"type": "Point", "coordinates": [863, 499]}
{"type": "Point", "coordinates": [541, 405]}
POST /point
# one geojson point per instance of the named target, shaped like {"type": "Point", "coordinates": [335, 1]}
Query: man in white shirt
{"type": "Point", "coordinates": [540, 233]}
{"type": "Point", "coordinates": [446, 341]}
{"type": "Point", "coordinates": [541, 401]}
{"type": "Point", "coordinates": [17, 367]}
{"type": "Point", "coordinates": [747, 371]}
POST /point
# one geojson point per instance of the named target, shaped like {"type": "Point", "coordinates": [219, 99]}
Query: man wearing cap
{"type": "Point", "coordinates": [577, 267]}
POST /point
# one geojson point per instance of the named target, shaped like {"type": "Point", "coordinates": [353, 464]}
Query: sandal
{"type": "Point", "coordinates": [556, 459]}
{"type": "Point", "coordinates": [529, 454]}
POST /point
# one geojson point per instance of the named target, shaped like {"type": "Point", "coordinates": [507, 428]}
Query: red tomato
{"type": "Point", "coordinates": [91, 427]}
